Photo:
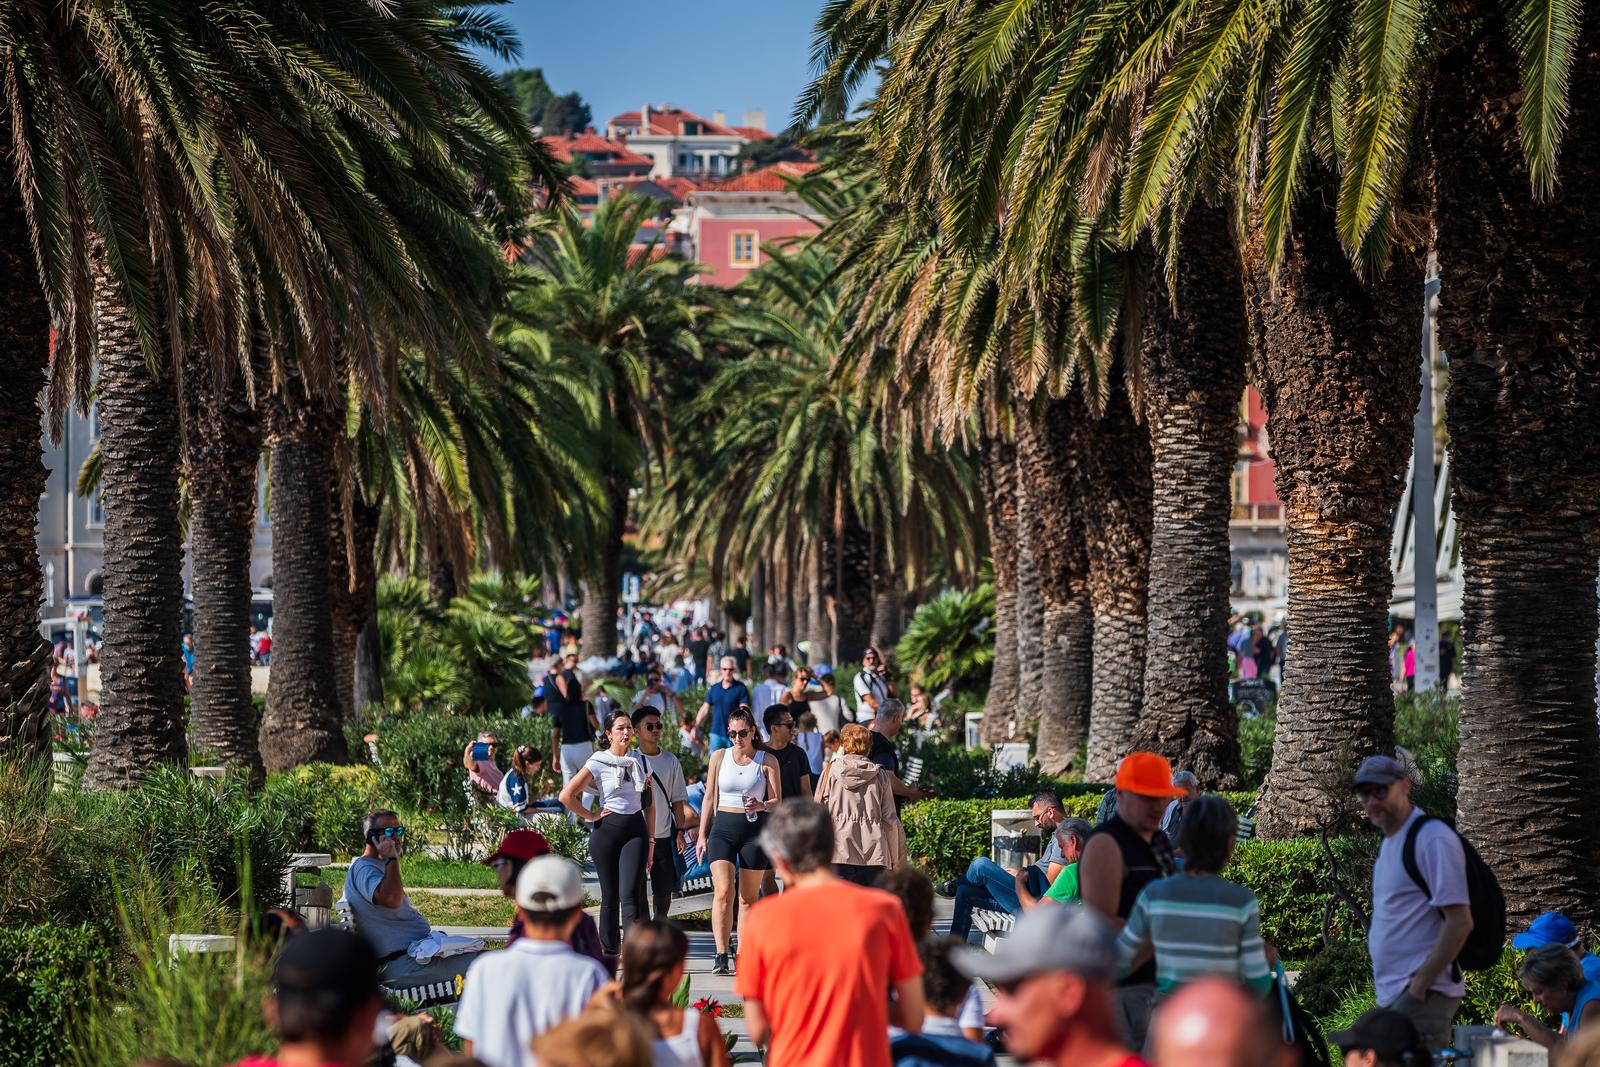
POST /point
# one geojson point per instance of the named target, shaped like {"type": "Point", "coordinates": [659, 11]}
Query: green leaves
{"type": "Point", "coordinates": [1386, 38]}
{"type": "Point", "coordinates": [1544, 34]}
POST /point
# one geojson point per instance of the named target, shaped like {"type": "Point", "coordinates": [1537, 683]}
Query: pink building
{"type": "Point", "coordinates": [727, 222]}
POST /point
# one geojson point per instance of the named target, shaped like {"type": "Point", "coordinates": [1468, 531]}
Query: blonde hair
{"type": "Point", "coordinates": [857, 739]}
{"type": "Point", "coordinates": [832, 738]}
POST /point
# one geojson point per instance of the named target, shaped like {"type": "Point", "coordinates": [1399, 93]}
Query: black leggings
{"type": "Point", "coordinates": [618, 844]}
{"type": "Point", "coordinates": [662, 879]}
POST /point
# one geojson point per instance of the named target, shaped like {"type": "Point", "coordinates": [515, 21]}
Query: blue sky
{"type": "Point", "coordinates": [703, 55]}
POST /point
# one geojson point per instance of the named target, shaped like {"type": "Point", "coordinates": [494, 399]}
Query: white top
{"type": "Point", "coordinates": [768, 693]}
{"type": "Point", "coordinates": [646, 699]}
{"type": "Point", "coordinates": [734, 782]}
{"type": "Point", "coordinates": [869, 682]}
{"type": "Point", "coordinates": [831, 712]}
{"type": "Point", "coordinates": [619, 780]}
{"type": "Point", "coordinates": [970, 1015]}
{"type": "Point", "coordinates": [668, 791]}
{"type": "Point", "coordinates": [1406, 924]}
{"type": "Point", "coordinates": [810, 743]}
{"type": "Point", "coordinates": [682, 1050]}
{"type": "Point", "coordinates": [512, 996]}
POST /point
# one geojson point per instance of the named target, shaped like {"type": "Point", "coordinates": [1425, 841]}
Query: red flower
{"type": "Point", "coordinates": [708, 1006]}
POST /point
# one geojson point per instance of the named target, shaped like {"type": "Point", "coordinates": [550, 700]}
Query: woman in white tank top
{"type": "Point", "coordinates": [653, 960]}
{"type": "Point", "coordinates": [741, 787]}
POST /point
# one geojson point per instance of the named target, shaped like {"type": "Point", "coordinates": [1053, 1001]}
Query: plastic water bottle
{"type": "Point", "coordinates": [749, 808]}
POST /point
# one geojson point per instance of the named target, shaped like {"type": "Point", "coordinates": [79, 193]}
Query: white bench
{"type": "Point", "coordinates": [200, 944]}
{"type": "Point", "coordinates": [993, 925]}
{"type": "Point", "coordinates": [913, 773]}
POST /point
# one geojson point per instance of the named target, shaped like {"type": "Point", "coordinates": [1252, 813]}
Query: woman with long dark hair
{"type": "Point", "coordinates": [652, 969]}
{"type": "Point", "coordinates": [619, 842]}
{"type": "Point", "coordinates": [741, 787]}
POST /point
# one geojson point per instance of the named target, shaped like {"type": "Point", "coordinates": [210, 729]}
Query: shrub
{"type": "Point", "coordinates": [44, 971]}
{"type": "Point", "coordinates": [1289, 879]}
{"type": "Point", "coordinates": [949, 642]}
{"type": "Point", "coordinates": [323, 805]}
{"type": "Point", "coordinates": [566, 838]}
{"type": "Point", "coordinates": [1331, 974]}
{"type": "Point", "coordinates": [421, 755]}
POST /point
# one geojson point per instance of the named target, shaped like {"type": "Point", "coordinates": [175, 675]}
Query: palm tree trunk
{"type": "Point", "coordinates": [1045, 464]}
{"type": "Point", "coordinates": [1520, 325]}
{"type": "Point", "coordinates": [1029, 616]}
{"type": "Point", "coordinates": [783, 568]}
{"type": "Point", "coordinates": [442, 586]}
{"type": "Point", "coordinates": [303, 723]}
{"type": "Point", "coordinates": [886, 592]}
{"type": "Point", "coordinates": [999, 469]}
{"type": "Point", "coordinates": [24, 360]}
{"type": "Point", "coordinates": [353, 577]}
{"type": "Point", "coordinates": [821, 619]}
{"type": "Point", "coordinates": [1194, 358]}
{"type": "Point", "coordinates": [852, 591]}
{"type": "Point", "coordinates": [1339, 375]}
{"type": "Point", "coordinates": [221, 455]}
{"type": "Point", "coordinates": [140, 723]}
{"type": "Point", "coordinates": [1114, 495]}
{"type": "Point", "coordinates": [369, 657]}
{"type": "Point", "coordinates": [604, 587]}
{"type": "Point", "coordinates": [758, 605]}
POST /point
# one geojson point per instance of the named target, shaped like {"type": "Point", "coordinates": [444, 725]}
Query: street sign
{"type": "Point", "coordinates": [630, 588]}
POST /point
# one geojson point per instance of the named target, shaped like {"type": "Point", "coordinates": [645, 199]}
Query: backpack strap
{"type": "Point", "coordinates": [1408, 855]}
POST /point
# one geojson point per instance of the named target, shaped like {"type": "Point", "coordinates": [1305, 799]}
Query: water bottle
{"type": "Point", "coordinates": [749, 808]}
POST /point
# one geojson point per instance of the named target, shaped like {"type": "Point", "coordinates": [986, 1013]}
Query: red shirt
{"type": "Point", "coordinates": [820, 958]}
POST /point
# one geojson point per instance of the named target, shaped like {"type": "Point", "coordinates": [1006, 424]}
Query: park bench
{"type": "Point", "coordinates": [425, 995]}
{"type": "Point", "coordinates": [994, 925]}
{"type": "Point", "coordinates": [312, 901]}
{"type": "Point", "coordinates": [913, 775]}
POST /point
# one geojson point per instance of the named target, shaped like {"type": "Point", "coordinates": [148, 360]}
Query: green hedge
{"type": "Point", "coordinates": [324, 805]}
{"type": "Point", "coordinates": [45, 974]}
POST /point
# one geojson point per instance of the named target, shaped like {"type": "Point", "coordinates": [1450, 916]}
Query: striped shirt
{"type": "Point", "coordinates": [1198, 926]}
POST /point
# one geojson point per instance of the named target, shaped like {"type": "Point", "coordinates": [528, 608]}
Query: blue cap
{"type": "Point", "coordinates": [1551, 928]}
{"type": "Point", "coordinates": [538, 692]}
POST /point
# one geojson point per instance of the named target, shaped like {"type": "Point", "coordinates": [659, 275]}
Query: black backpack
{"type": "Point", "coordinates": [1488, 937]}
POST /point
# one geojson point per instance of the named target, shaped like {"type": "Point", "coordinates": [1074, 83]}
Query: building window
{"type": "Point", "coordinates": [97, 513]}
{"type": "Point", "coordinates": [744, 249]}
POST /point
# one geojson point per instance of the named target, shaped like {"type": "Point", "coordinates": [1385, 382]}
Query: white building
{"type": "Point", "coordinates": [681, 143]}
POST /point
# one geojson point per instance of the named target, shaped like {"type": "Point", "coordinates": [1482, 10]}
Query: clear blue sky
{"type": "Point", "coordinates": [703, 55]}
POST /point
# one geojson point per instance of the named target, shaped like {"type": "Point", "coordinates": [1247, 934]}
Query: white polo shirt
{"type": "Point", "coordinates": [510, 997]}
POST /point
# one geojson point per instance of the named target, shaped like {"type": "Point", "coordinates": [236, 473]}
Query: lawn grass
{"type": "Point", "coordinates": [463, 911]}
{"type": "Point", "coordinates": [430, 873]}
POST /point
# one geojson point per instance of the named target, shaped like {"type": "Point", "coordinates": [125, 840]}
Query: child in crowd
{"type": "Point", "coordinates": [832, 745]}
{"type": "Point", "coordinates": [810, 741]}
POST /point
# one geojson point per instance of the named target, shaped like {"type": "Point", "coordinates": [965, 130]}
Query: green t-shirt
{"type": "Point", "coordinates": [1064, 890]}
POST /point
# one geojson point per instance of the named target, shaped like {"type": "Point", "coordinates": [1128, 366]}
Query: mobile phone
{"type": "Point", "coordinates": [480, 750]}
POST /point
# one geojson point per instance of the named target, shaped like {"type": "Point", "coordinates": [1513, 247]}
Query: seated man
{"type": "Point", "coordinates": [989, 885]}
{"type": "Point", "coordinates": [382, 913]}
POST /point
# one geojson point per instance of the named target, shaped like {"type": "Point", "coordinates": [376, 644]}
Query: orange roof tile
{"type": "Point", "coordinates": [670, 120]}
{"type": "Point", "coordinates": [773, 179]}
{"type": "Point", "coordinates": [566, 147]}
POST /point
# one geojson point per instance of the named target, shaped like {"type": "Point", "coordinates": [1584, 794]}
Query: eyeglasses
{"type": "Point", "coordinates": [737, 734]}
{"type": "Point", "coordinates": [653, 727]}
{"type": "Point", "coordinates": [727, 668]}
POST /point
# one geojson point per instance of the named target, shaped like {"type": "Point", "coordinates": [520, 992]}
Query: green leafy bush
{"type": "Point", "coordinates": [44, 971]}
{"type": "Point", "coordinates": [471, 655]}
{"type": "Point", "coordinates": [323, 805]}
{"type": "Point", "coordinates": [420, 755]}
{"type": "Point", "coordinates": [1289, 880]}
{"type": "Point", "coordinates": [949, 641]}
{"type": "Point", "coordinates": [1330, 974]}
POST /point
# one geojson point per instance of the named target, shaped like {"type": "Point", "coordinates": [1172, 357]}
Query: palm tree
{"type": "Point", "coordinates": [636, 312]}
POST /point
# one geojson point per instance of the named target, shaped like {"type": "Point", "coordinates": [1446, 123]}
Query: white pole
{"type": "Point", "coordinates": [1424, 563]}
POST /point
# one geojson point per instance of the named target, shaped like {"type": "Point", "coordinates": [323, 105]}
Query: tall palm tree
{"type": "Point", "coordinates": [637, 312]}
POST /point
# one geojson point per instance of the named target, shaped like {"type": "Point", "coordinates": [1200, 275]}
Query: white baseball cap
{"type": "Point", "coordinates": [549, 883]}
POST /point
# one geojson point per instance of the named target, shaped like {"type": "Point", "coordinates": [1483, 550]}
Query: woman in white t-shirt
{"type": "Point", "coordinates": [620, 841]}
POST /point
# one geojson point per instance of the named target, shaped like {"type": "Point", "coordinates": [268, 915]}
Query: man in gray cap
{"type": "Point", "coordinates": [1418, 925]}
{"type": "Point", "coordinates": [1052, 977]}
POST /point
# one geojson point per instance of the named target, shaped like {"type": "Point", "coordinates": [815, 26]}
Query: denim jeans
{"type": "Point", "coordinates": [989, 885]}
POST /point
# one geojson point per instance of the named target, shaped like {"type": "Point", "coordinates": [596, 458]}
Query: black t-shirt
{"type": "Point", "coordinates": [568, 713]}
{"type": "Point", "coordinates": [741, 656]}
{"type": "Point", "coordinates": [697, 650]}
{"type": "Point", "coordinates": [884, 754]}
{"type": "Point", "coordinates": [792, 763]}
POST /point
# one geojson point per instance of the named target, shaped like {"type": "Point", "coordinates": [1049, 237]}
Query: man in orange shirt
{"type": "Point", "coordinates": [817, 962]}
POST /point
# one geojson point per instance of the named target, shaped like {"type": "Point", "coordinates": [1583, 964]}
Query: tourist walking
{"type": "Point", "coordinates": [653, 963]}
{"type": "Point", "coordinates": [943, 1040]}
{"type": "Point", "coordinates": [741, 787]}
{"type": "Point", "coordinates": [656, 694]}
{"type": "Point", "coordinates": [810, 742]}
{"type": "Point", "coordinates": [884, 726]}
{"type": "Point", "coordinates": [726, 695]}
{"type": "Point", "coordinates": [1415, 935]}
{"type": "Point", "coordinates": [512, 996]}
{"type": "Point", "coordinates": [770, 691]}
{"type": "Point", "coordinates": [325, 1001]}
{"type": "Point", "coordinates": [817, 963]}
{"type": "Point", "coordinates": [872, 685]}
{"type": "Point", "coordinates": [1553, 977]}
{"type": "Point", "coordinates": [620, 842]}
{"type": "Point", "coordinates": [1198, 924]}
{"type": "Point", "coordinates": [1124, 854]}
{"type": "Point", "coordinates": [1382, 1038]}
{"type": "Point", "coordinates": [1214, 1023]}
{"type": "Point", "coordinates": [988, 885]}
{"type": "Point", "coordinates": [1052, 989]}
{"type": "Point", "coordinates": [797, 695]}
{"type": "Point", "coordinates": [794, 767]}
{"type": "Point", "coordinates": [868, 837]}
{"type": "Point", "coordinates": [830, 708]}
{"type": "Point", "coordinates": [914, 890]}
{"type": "Point", "coordinates": [572, 724]}
{"type": "Point", "coordinates": [669, 795]}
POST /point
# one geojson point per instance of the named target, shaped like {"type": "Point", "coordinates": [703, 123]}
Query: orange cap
{"type": "Point", "coordinates": [1147, 774]}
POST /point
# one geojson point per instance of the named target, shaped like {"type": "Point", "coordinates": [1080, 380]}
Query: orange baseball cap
{"type": "Point", "coordinates": [1147, 774]}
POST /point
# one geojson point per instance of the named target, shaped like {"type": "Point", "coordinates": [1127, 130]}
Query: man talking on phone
{"type": "Point", "coordinates": [382, 913]}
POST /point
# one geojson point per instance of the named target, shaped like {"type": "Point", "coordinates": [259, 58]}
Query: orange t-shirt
{"type": "Point", "coordinates": [820, 958]}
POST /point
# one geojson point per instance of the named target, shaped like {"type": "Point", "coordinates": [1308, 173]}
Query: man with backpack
{"type": "Point", "coordinates": [1428, 887]}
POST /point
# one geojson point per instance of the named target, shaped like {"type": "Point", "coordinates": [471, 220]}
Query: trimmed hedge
{"type": "Point", "coordinates": [45, 974]}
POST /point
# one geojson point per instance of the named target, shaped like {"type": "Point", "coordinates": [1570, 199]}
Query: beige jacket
{"type": "Point", "coordinates": [866, 827]}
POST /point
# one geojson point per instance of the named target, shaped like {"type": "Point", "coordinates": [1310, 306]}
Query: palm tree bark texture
{"type": "Point", "coordinates": [303, 723]}
{"type": "Point", "coordinates": [1339, 371]}
{"type": "Point", "coordinates": [1045, 462]}
{"type": "Point", "coordinates": [851, 587]}
{"type": "Point", "coordinates": [353, 582]}
{"type": "Point", "coordinates": [603, 588]}
{"type": "Point", "coordinates": [999, 471]}
{"type": "Point", "coordinates": [1113, 496]}
{"type": "Point", "coordinates": [1194, 355]}
{"type": "Point", "coordinates": [1522, 329]}
{"type": "Point", "coordinates": [222, 437]}
{"type": "Point", "coordinates": [24, 359]}
{"type": "Point", "coordinates": [886, 595]}
{"type": "Point", "coordinates": [140, 723]}
{"type": "Point", "coordinates": [1028, 614]}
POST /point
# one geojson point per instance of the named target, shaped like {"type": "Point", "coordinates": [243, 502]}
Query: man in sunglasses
{"type": "Point", "coordinates": [725, 696]}
{"type": "Point", "coordinates": [671, 808]}
{"type": "Point", "coordinates": [382, 913]}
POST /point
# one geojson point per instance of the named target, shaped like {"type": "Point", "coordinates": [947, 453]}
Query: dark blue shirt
{"type": "Point", "coordinates": [724, 701]}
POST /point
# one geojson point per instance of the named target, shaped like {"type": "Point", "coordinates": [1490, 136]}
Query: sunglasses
{"type": "Point", "coordinates": [390, 831]}
{"type": "Point", "coordinates": [787, 724]}
{"type": "Point", "coordinates": [653, 727]}
{"type": "Point", "coordinates": [737, 734]}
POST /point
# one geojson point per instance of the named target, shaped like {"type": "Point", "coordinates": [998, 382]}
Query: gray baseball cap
{"type": "Point", "coordinates": [1062, 937]}
{"type": "Point", "coordinates": [1381, 770]}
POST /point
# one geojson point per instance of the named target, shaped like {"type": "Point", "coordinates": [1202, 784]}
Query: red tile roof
{"type": "Point", "coordinates": [592, 144]}
{"type": "Point", "coordinates": [670, 120]}
{"type": "Point", "coordinates": [773, 179]}
{"type": "Point", "coordinates": [678, 185]}
{"type": "Point", "coordinates": [755, 133]}
{"type": "Point", "coordinates": [582, 186]}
